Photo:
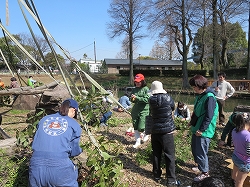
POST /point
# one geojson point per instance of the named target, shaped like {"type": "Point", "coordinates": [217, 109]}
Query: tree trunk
{"type": "Point", "coordinates": [215, 40]}
{"type": "Point", "coordinates": [224, 60]}
{"type": "Point", "coordinates": [248, 45]}
{"type": "Point", "coordinates": [2, 133]}
{"type": "Point", "coordinates": [202, 39]}
{"type": "Point", "coordinates": [131, 74]}
{"type": "Point", "coordinates": [185, 51]}
{"type": "Point", "coordinates": [28, 90]}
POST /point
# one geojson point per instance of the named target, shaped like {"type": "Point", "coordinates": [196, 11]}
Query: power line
{"type": "Point", "coordinates": [82, 48]}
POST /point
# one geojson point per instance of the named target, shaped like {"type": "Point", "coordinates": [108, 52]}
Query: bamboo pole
{"type": "Point", "coordinates": [24, 51]}
{"type": "Point", "coordinates": [6, 63]}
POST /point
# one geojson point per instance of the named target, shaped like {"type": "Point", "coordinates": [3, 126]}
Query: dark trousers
{"type": "Point", "coordinates": [221, 104]}
{"type": "Point", "coordinates": [165, 143]}
{"type": "Point", "coordinates": [105, 117]}
{"type": "Point", "coordinates": [200, 146]}
{"type": "Point", "coordinates": [229, 138]}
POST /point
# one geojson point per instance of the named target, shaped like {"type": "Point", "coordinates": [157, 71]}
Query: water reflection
{"type": "Point", "coordinates": [189, 99]}
{"type": "Point", "coordinates": [230, 103]}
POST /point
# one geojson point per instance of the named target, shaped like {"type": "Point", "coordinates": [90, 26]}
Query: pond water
{"type": "Point", "coordinates": [229, 107]}
{"type": "Point", "coordinates": [189, 99]}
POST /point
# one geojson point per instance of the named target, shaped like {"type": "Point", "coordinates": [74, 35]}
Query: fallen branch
{"type": "Point", "coordinates": [27, 90]}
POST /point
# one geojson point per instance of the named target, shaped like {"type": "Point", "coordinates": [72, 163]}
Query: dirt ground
{"type": "Point", "coordinates": [140, 176]}
{"type": "Point", "coordinates": [24, 77]}
{"type": "Point", "coordinates": [135, 175]}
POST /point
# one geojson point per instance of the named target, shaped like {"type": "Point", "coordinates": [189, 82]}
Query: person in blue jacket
{"type": "Point", "coordinates": [125, 102]}
{"type": "Point", "coordinates": [55, 142]}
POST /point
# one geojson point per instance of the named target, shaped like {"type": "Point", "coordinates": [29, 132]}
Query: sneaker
{"type": "Point", "coordinates": [129, 134]}
{"type": "Point", "coordinates": [201, 177]}
{"type": "Point", "coordinates": [132, 134]}
{"type": "Point", "coordinates": [195, 169]}
{"type": "Point", "coordinates": [173, 184]}
{"type": "Point", "coordinates": [157, 179]}
{"type": "Point", "coordinates": [103, 125]}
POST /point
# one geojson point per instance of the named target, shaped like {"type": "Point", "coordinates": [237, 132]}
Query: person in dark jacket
{"type": "Point", "coordinates": [182, 112]}
{"type": "Point", "coordinates": [203, 124]}
{"type": "Point", "coordinates": [227, 131]}
{"type": "Point", "coordinates": [161, 106]}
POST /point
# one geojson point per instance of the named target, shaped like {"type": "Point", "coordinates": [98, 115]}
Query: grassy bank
{"type": "Point", "coordinates": [109, 82]}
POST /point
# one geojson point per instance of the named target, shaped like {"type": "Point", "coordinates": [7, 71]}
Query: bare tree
{"type": "Point", "coordinates": [164, 51]}
{"type": "Point", "coordinates": [215, 39]}
{"type": "Point", "coordinates": [27, 40]}
{"type": "Point", "coordinates": [128, 17]}
{"type": "Point", "coordinates": [219, 12]}
{"type": "Point", "coordinates": [177, 16]}
{"type": "Point", "coordinates": [124, 53]}
{"type": "Point", "coordinates": [226, 11]}
{"type": "Point", "coordinates": [204, 21]}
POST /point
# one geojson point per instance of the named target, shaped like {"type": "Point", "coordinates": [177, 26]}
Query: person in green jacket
{"type": "Point", "coordinates": [203, 124]}
{"type": "Point", "coordinates": [31, 82]}
{"type": "Point", "coordinates": [139, 96]}
{"type": "Point", "coordinates": [227, 131]}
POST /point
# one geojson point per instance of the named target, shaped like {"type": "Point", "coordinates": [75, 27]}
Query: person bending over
{"type": "Point", "coordinates": [55, 142]}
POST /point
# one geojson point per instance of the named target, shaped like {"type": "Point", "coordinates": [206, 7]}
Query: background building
{"type": "Point", "coordinates": [114, 65]}
{"type": "Point", "coordinates": [94, 66]}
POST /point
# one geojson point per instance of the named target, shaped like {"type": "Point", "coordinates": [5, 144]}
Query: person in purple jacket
{"type": "Point", "coordinates": [55, 142]}
{"type": "Point", "coordinates": [241, 154]}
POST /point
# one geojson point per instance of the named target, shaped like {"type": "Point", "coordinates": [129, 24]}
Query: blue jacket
{"type": "Point", "coordinates": [161, 107]}
{"type": "Point", "coordinates": [124, 101]}
{"type": "Point", "coordinates": [57, 134]}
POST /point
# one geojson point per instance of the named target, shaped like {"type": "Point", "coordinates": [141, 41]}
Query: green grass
{"type": "Point", "coordinates": [14, 170]}
{"type": "Point", "coordinates": [13, 111]}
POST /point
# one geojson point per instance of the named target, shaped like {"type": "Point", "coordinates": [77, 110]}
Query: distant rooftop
{"type": "Point", "coordinates": [143, 62]}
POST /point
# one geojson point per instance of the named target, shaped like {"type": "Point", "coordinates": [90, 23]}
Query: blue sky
{"type": "Point", "coordinates": [74, 24]}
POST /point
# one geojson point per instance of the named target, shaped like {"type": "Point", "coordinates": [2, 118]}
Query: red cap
{"type": "Point", "coordinates": [139, 77]}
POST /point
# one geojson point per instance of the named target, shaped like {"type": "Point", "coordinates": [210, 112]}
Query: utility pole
{"type": "Point", "coordinates": [139, 60]}
{"type": "Point", "coordinates": [94, 52]}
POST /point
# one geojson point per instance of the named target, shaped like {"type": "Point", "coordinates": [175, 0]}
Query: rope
{"type": "Point", "coordinates": [81, 80]}
{"type": "Point", "coordinates": [7, 13]}
{"type": "Point", "coordinates": [25, 52]}
{"type": "Point", "coordinates": [91, 137]}
{"type": "Point", "coordinates": [33, 36]}
{"type": "Point", "coordinates": [102, 90]}
{"type": "Point", "coordinates": [6, 63]}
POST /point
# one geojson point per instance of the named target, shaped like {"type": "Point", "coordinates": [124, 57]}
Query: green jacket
{"type": "Point", "coordinates": [229, 126]}
{"type": "Point", "coordinates": [140, 108]}
{"type": "Point", "coordinates": [200, 109]}
{"type": "Point", "coordinates": [30, 83]}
